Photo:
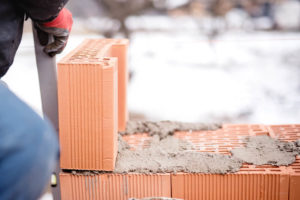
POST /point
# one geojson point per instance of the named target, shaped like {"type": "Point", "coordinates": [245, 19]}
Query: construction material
{"type": "Point", "coordinates": [114, 186]}
{"type": "Point", "coordinates": [165, 128]}
{"type": "Point", "coordinates": [251, 182]}
{"type": "Point", "coordinates": [171, 155]}
{"type": "Point", "coordinates": [174, 155]}
{"type": "Point", "coordinates": [263, 150]}
{"type": "Point", "coordinates": [119, 50]}
{"type": "Point", "coordinates": [164, 154]}
{"type": "Point", "coordinates": [250, 186]}
{"type": "Point", "coordinates": [88, 104]}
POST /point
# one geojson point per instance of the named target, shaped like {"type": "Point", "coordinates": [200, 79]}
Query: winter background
{"type": "Point", "coordinates": [191, 60]}
{"type": "Point", "coordinates": [233, 67]}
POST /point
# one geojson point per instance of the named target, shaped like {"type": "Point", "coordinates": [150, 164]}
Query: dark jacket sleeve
{"type": "Point", "coordinates": [41, 10]}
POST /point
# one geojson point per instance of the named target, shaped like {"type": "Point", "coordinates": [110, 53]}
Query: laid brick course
{"type": "Point", "coordinates": [114, 186]}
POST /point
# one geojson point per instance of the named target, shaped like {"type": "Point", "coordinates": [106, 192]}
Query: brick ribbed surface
{"type": "Point", "coordinates": [114, 186]}
{"type": "Point", "coordinates": [289, 133]}
{"type": "Point", "coordinates": [90, 104]}
{"type": "Point", "coordinates": [285, 132]}
{"type": "Point", "coordinates": [95, 50]}
{"type": "Point", "coordinates": [231, 187]}
{"type": "Point", "coordinates": [119, 50]}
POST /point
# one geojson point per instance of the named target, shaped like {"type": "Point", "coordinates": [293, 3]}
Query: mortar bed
{"type": "Point", "coordinates": [212, 146]}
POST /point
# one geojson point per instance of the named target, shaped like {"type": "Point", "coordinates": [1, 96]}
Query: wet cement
{"type": "Point", "coordinates": [166, 128]}
{"type": "Point", "coordinates": [261, 150]}
{"type": "Point", "coordinates": [170, 155]}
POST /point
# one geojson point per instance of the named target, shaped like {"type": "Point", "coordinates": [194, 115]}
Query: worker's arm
{"type": "Point", "coordinates": [42, 10]}
{"type": "Point", "coordinates": [50, 17]}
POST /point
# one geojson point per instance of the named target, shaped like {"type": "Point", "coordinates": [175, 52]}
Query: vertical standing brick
{"type": "Point", "coordinates": [88, 114]}
{"type": "Point", "coordinates": [119, 50]}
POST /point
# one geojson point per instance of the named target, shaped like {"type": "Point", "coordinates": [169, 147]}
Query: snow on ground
{"type": "Point", "coordinates": [238, 77]}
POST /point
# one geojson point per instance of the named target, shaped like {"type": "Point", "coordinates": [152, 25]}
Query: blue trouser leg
{"type": "Point", "coordinates": [28, 149]}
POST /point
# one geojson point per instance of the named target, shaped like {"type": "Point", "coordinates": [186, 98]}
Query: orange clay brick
{"type": "Point", "coordinates": [289, 133]}
{"type": "Point", "coordinates": [248, 186]}
{"type": "Point", "coordinates": [285, 132]}
{"type": "Point", "coordinates": [294, 187]}
{"type": "Point", "coordinates": [119, 50]}
{"type": "Point", "coordinates": [88, 107]}
{"type": "Point", "coordinates": [137, 140]}
{"type": "Point", "coordinates": [114, 186]}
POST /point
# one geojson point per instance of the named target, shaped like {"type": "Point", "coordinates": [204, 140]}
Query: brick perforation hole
{"type": "Point", "coordinates": [89, 52]}
{"type": "Point", "coordinates": [137, 141]}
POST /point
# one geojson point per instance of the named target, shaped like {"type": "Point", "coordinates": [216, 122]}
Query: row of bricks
{"type": "Point", "coordinates": [247, 186]}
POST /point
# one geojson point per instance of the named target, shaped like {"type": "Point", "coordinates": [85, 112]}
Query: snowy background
{"type": "Point", "coordinates": [239, 77]}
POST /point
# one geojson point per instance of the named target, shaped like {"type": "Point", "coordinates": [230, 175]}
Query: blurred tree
{"type": "Point", "coordinates": [215, 10]}
{"type": "Point", "coordinates": [121, 9]}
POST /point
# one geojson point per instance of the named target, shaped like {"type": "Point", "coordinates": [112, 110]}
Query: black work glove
{"type": "Point", "coordinates": [59, 28]}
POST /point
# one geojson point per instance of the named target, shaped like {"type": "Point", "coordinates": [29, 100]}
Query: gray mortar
{"type": "Point", "coordinates": [261, 150]}
{"type": "Point", "coordinates": [172, 155]}
{"type": "Point", "coordinates": [165, 128]}
{"type": "Point", "coordinates": [168, 154]}
{"type": "Point", "coordinates": [297, 143]}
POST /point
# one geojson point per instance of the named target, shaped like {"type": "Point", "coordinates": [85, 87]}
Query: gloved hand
{"type": "Point", "coordinates": [59, 28]}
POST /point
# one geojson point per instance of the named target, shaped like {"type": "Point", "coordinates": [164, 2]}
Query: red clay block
{"type": "Point", "coordinates": [230, 187]}
{"type": "Point", "coordinates": [285, 132]}
{"type": "Point", "coordinates": [114, 186]}
{"type": "Point", "coordinates": [295, 186]}
{"type": "Point", "coordinates": [88, 107]}
{"type": "Point", "coordinates": [119, 50]}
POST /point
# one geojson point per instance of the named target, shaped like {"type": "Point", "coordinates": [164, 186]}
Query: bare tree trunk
{"type": "Point", "coordinates": [121, 10]}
